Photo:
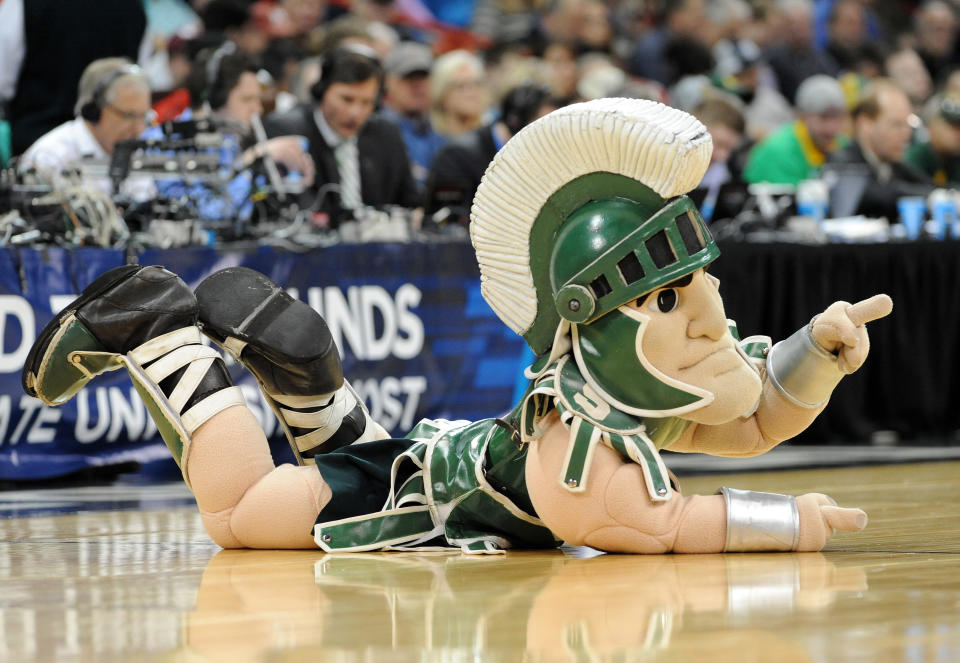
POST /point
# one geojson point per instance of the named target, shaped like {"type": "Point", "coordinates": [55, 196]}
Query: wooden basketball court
{"type": "Point", "coordinates": [127, 574]}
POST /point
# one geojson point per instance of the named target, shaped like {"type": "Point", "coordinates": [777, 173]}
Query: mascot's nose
{"type": "Point", "coordinates": [704, 306]}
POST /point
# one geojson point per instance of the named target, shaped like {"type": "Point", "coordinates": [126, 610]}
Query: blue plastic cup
{"type": "Point", "coordinates": [912, 210]}
{"type": "Point", "coordinates": [945, 217]}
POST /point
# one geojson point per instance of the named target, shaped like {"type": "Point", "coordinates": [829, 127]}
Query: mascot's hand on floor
{"type": "Point", "coordinates": [820, 518]}
{"type": "Point", "coordinates": [841, 329]}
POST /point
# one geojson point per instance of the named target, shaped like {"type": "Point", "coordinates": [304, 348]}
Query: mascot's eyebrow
{"type": "Point", "coordinates": [681, 282]}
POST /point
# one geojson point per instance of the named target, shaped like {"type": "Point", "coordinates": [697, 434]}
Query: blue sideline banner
{"type": "Point", "coordinates": [417, 341]}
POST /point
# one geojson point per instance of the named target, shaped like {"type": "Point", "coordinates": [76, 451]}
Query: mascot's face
{"type": "Point", "coordinates": [687, 338]}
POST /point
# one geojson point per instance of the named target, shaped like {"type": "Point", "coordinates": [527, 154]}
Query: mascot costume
{"type": "Point", "coordinates": [589, 250]}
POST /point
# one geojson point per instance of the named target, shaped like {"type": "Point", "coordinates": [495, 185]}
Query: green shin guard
{"type": "Point", "coordinates": [73, 358]}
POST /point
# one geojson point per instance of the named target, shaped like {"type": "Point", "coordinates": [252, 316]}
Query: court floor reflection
{"type": "Point", "coordinates": [149, 585]}
{"type": "Point", "coordinates": [524, 606]}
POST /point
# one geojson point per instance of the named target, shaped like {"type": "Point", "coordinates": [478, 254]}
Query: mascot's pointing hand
{"type": "Point", "coordinates": [820, 518]}
{"type": "Point", "coordinates": [841, 329]}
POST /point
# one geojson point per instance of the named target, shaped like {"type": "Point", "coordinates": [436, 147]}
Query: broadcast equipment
{"type": "Point", "coordinates": [71, 215]}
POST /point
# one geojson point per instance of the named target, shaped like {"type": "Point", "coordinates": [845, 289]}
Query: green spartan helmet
{"type": "Point", "coordinates": [611, 229]}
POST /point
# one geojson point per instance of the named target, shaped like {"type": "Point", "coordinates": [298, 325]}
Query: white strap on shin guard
{"type": "Point", "coordinates": [326, 421]}
{"type": "Point", "coordinates": [169, 353]}
{"type": "Point", "coordinates": [760, 521]}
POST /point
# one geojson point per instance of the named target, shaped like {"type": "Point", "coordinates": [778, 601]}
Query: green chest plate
{"type": "Point", "coordinates": [591, 422]}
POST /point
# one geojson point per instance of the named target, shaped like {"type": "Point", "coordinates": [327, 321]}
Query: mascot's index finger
{"type": "Point", "coordinates": [869, 309]}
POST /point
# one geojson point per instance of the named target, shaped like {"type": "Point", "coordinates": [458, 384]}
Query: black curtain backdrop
{"type": "Point", "coordinates": [909, 384]}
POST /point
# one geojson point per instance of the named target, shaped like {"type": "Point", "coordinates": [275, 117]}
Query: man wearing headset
{"type": "Point", "coordinates": [112, 104]}
{"type": "Point", "coordinates": [360, 158]}
{"type": "Point", "coordinates": [224, 87]}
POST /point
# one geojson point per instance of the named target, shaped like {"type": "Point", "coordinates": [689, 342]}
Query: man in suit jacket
{"type": "Point", "coordinates": [360, 158]}
{"type": "Point", "coordinates": [881, 134]}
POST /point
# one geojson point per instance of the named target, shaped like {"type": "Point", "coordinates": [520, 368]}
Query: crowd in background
{"type": "Point", "coordinates": [785, 87]}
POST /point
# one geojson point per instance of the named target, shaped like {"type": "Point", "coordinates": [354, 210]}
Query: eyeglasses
{"type": "Point", "coordinates": [133, 116]}
{"type": "Point", "coordinates": [467, 84]}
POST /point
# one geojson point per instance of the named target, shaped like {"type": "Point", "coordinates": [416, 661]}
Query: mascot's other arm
{"type": "Point", "coordinates": [794, 393]}
{"type": "Point", "coordinates": [615, 512]}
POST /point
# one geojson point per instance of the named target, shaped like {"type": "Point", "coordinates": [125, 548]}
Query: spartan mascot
{"type": "Point", "coordinates": [590, 251]}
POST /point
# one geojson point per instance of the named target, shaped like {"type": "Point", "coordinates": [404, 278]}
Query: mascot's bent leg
{"type": "Point", "coordinates": [616, 514]}
{"type": "Point", "coordinates": [144, 319]}
{"type": "Point", "coordinates": [289, 349]}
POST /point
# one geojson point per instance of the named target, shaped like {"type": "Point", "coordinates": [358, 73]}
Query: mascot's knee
{"type": "Point", "coordinates": [279, 510]}
{"type": "Point", "coordinates": [218, 527]}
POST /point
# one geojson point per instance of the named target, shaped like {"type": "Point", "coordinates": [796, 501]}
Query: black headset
{"type": "Point", "coordinates": [214, 93]}
{"type": "Point", "coordinates": [332, 61]}
{"type": "Point", "coordinates": [91, 110]}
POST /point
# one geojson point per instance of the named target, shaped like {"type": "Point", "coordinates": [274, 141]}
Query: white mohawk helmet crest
{"type": "Point", "coordinates": [664, 149]}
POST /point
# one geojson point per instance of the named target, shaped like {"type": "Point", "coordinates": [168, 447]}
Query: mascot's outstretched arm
{"type": "Point", "coordinates": [793, 393]}
{"type": "Point", "coordinates": [614, 512]}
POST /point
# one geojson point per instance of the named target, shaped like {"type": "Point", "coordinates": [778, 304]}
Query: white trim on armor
{"type": "Point", "coordinates": [46, 359]}
{"type": "Point", "coordinates": [318, 530]}
{"type": "Point", "coordinates": [211, 405]}
{"type": "Point", "coordinates": [595, 435]}
{"type": "Point", "coordinates": [490, 545]}
{"type": "Point", "coordinates": [706, 397]}
{"type": "Point", "coordinates": [412, 498]}
{"type": "Point", "coordinates": [408, 455]}
{"type": "Point", "coordinates": [662, 147]}
{"type": "Point", "coordinates": [562, 343]}
{"type": "Point", "coordinates": [138, 375]}
{"type": "Point", "coordinates": [77, 357]}
{"type": "Point", "coordinates": [638, 459]}
{"type": "Point", "coordinates": [495, 494]}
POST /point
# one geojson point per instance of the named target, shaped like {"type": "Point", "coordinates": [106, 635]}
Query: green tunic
{"type": "Point", "coordinates": [464, 488]}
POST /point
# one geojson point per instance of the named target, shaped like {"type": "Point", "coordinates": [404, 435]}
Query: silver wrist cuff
{"type": "Point", "coordinates": [760, 521]}
{"type": "Point", "coordinates": [802, 371]}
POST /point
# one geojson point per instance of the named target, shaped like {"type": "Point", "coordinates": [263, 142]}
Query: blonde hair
{"type": "Point", "coordinates": [442, 77]}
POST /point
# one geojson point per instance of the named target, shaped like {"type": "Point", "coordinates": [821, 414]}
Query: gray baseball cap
{"type": "Point", "coordinates": [408, 57]}
{"type": "Point", "coordinates": [820, 94]}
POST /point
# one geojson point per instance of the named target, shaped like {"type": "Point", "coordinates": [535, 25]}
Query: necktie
{"type": "Point", "coordinates": [348, 166]}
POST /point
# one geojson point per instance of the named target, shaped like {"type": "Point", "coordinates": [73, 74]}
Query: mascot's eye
{"type": "Point", "coordinates": [667, 300]}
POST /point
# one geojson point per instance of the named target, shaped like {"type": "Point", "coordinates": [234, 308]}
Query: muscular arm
{"type": "Point", "coordinates": [775, 420]}
{"type": "Point", "coordinates": [840, 336]}
{"type": "Point", "coordinates": [615, 513]}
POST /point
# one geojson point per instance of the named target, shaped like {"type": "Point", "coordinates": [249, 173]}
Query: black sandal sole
{"type": "Point", "coordinates": [242, 303]}
{"type": "Point", "coordinates": [97, 287]}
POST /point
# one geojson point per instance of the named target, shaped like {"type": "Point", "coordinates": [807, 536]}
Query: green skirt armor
{"type": "Point", "coordinates": [451, 484]}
